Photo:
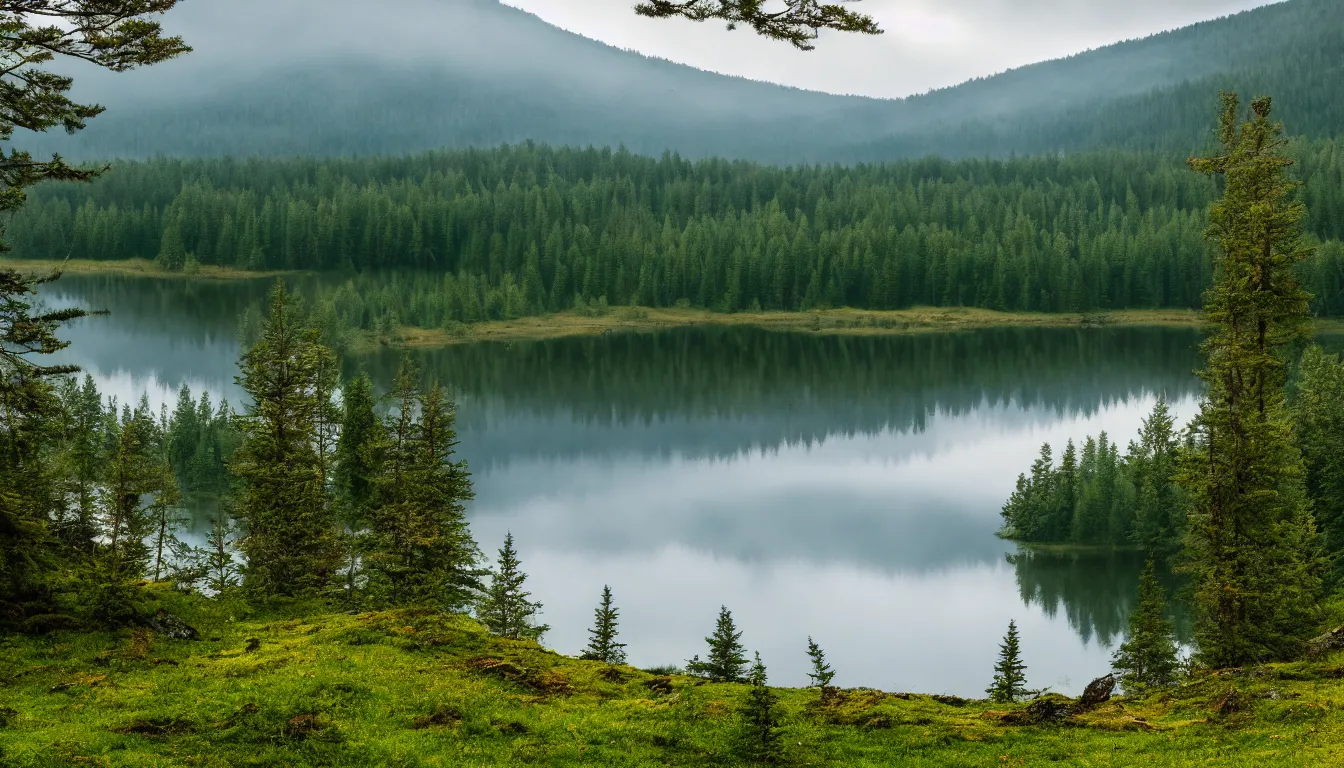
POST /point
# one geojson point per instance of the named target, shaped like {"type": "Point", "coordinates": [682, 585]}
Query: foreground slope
{"type": "Point", "coordinates": [415, 689]}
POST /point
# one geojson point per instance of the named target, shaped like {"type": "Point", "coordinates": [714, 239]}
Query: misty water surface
{"type": "Point", "coordinates": [846, 488]}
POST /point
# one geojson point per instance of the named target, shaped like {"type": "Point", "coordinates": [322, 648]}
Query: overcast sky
{"type": "Point", "coordinates": [928, 44]}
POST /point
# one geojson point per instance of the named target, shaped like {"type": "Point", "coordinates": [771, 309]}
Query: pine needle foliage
{"type": "Point", "coordinates": [1252, 545]}
{"type": "Point", "coordinates": [290, 536]}
{"type": "Point", "coordinates": [602, 644]}
{"type": "Point", "coordinates": [759, 739]}
{"type": "Point", "coordinates": [1010, 679]}
{"type": "Point", "coordinates": [798, 22]}
{"type": "Point", "coordinates": [727, 657]}
{"type": "Point", "coordinates": [821, 674]}
{"type": "Point", "coordinates": [505, 608]}
{"type": "Point", "coordinates": [1147, 658]}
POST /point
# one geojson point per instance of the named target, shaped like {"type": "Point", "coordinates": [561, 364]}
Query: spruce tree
{"type": "Point", "coordinates": [727, 657]}
{"type": "Point", "coordinates": [602, 645]}
{"type": "Point", "coordinates": [504, 608]}
{"type": "Point", "coordinates": [821, 673]}
{"type": "Point", "coordinates": [1159, 522]}
{"type": "Point", "coordinates": [760, 737]}
{"type": "Point", "coordinates": [1252, 541]}
{"type": "Point", "coordinates": [290, 537]}
{"type": "Point", "coordinates": [356, 460]}
{"type": "Point", "coordinates": [1010, 680]}
{"type": "Point", "coordinates": [1147, 658]}
{"type": "Point", "coordinates": [220, 566]}
{"type": "Point", "coordinates": [1318, 415]}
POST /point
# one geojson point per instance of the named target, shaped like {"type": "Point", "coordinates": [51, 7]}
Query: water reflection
{"type": "Point", "coordinates": [843, 487]}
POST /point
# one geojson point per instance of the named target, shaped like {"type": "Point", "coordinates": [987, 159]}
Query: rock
{"type": "Point", "coordinates": [1049, 710]}
{"type": "Point", "coordinates": [172, 627]}
{"type": "Point", "coordinates": [1098, 692]}
{"type": "Point", "coordinates": [1325, 644]}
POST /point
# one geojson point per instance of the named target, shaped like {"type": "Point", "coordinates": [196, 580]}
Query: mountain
{"type": "Point", "coordinates": [336, 78]}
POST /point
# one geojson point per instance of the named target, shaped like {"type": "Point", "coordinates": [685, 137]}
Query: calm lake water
{"type": "Point", "coordinates": [846, 488]}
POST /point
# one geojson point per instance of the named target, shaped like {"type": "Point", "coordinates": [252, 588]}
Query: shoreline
{"type": "Point", "coordinates": [137, 268]}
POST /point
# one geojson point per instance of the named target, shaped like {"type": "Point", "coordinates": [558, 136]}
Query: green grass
{"type": "Point", "coordinates": [420, 689]}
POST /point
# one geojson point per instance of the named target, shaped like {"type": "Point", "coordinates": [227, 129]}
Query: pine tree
{"type": "Point", "coordinates": [727, 657]}
{"type": "Point", "coordinates": [290, 537]}
{"type": "Point", "coordinates": [421, 550]}
{"type": "Point", "coordinates": [760, 737]}
{"type": "Point", "coordinates": [1147, 658]}
{"type": "Point", "coordinates": [220, 566]}
{"type": "Point", "coordinates": [1252, 542]}
{"type": "Point", "coordinates": [1010, 680]}
{"type": "Point", "coordinates": [821, 673]}
{"type": "Point", "coordinates": [1159, 522]}
{"type": "Point", "coordinates": [361, 431]}
{"type": "Point", "coordinates": [505, 608]}
{"type": "Point", "coordinates": [602, 645]}
{"type": "Point", "coordinates": [1318, 414]}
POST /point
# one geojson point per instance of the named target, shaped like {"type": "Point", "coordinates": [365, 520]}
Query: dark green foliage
{"type": "Point", "coordinates": [461, 237]}
{"type": "Point", "coordinates": [1147, 658]}
{"type": "Point", "coordinates": [1318, 415]}
{"type": "Point", "coordinates": [504, 607]}
{"type": "Point", "coordinates": [727, 658]}
{"type": "Point", "coordinates": [290, 527]}
{"type": "Point", "coordinates": [821, 674]}
{"type": "Point", "coordinates": [602, 645]}
{"type": "Point", "coordinates": [1252, 548]}
{"type": "Point", "coordinates": [219, 563]}
{"type": "Point", "coordinates": [1010, 680]}
{"type": "Point", "coordinates": [201, 440]}
{"type": "Point", "coordinates": [759, 739]}
{"type": "Point", "coordinates": [419, 551]}
{"type": "Point", "coordinates": [357, 448]}
{"type": "Point", "coordinates": [1102, 498]}
{"type": "Point", "coordinates": [799, 23]}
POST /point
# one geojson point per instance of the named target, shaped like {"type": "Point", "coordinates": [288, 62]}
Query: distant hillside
{"type": "Point", "coordinates": [478, 73]}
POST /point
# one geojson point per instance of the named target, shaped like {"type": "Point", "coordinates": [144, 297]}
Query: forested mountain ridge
{"type": "Point", "coordinates": [511, 77]}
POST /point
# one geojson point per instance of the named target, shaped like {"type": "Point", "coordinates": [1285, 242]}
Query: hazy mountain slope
{"type": "Point", "coordinates": [474, 72]}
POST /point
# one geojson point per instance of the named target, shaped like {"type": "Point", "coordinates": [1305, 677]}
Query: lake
{"type": "Point", "coordinates": [843, 487]}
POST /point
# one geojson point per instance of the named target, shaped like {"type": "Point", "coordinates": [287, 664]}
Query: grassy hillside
{"type": "Point", "coordinates": [419, 689]}
{"type": "Point", "coordinates": [516, 78]}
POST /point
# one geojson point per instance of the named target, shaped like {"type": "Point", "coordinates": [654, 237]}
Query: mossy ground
{"type": "Point", "coordinates": [421, 689]}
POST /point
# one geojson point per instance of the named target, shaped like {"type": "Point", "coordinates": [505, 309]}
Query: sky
{"type": "Point", "coordinates": [928, 43]}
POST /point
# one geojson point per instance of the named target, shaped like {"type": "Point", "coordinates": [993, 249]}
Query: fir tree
{"type": "Point", "coordinates": [602, 645]}
{"type": "Point", "coordinates": [1010, 680]}
{"type": "Point", "coordinates": [505, 608]}
{"type": "Point", "coordinates": [821, 673]}
{"type": "Point", "coordinates": [356, 453]}
{"type": "Point", "coordinates": [727, 657]}
{"type": "Point", "coordinates": [220, 566]}
{"type": "Point", "coordinates": [1318, 414]}
{"type": "Point", "coordinates": [1147, 658]}
{"type": "Point", "coordinates": [1252, 542]}
{"type": "Point", "coordinates": [1159, 522]}
{"type": "Point", "coordinates": [290, 529]}
{"type": "Point", "coordinates": [760, 737]}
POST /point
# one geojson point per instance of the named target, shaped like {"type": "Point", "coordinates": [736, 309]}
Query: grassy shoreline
{"type": "Point", "coordinates": [414, 688]}
{"type": "Point", "coordinates": [848, 322]}
{"type": "Point", "coordinates": [137, 268]}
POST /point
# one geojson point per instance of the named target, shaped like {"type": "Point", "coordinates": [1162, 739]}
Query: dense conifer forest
{"type": "Point", "coordinates": [474, 235]}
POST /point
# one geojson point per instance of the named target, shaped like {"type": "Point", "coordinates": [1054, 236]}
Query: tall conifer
{"type": "Point", "coordinates": [1147, 658]}
{"type": "Point", "coordinates": [1252, 541]}
{"type": "Point", "coordinates": [760, 737]}
{"type": "Point", "coordinates": [1010, 679]}
{"type": "Point", "coordinates": [727, 657]}
{"type": "Point", "coordinates": [290, 537]}
{"type": "Point", "coordinates": [602, 644]}
{"type": "Point", "coordinates": [505, 608]}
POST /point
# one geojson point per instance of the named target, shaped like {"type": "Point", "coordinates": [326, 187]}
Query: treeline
{"type": "Point", "coordinates": [527, 230]}
{"type": "Point", "coordinates": [1098, 496]}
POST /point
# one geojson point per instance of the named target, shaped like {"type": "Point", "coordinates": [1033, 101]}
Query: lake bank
{"type": "Point", "coordinates": [313, 686]}
{"type": "Point", "coordinates": [849, 322]}
{"type": "Point", "coordinates": [137, 268]}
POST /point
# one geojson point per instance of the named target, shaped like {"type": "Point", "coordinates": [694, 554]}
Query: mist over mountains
{"type": "Point", "coordinates": [338, 78]}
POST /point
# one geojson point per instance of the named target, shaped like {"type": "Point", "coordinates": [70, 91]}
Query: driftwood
{"type": "Point", "coordinates": [1098, 692]}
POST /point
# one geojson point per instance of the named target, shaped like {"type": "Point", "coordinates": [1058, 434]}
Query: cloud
{"type": "Point", "coordinates": [929, 43]}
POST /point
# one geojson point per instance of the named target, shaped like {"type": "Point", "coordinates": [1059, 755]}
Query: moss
{"type": "Point", "coordinates": [420, 689]}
